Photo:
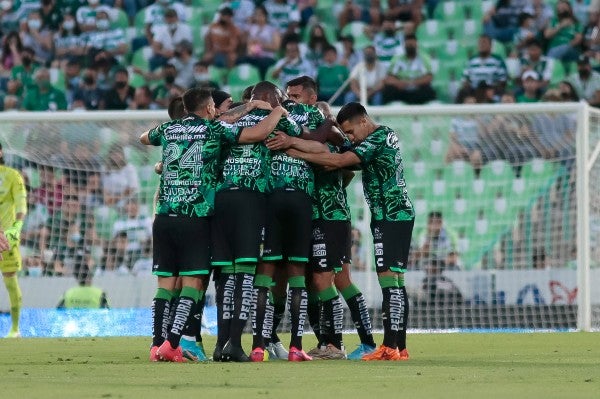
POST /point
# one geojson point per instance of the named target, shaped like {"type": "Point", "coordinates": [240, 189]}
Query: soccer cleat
{"type": "Point", "coordinates": [317, 351]}
{"type": "Point", "coordinates": [218, 354]}
{"type": "Point", "coordinates": [404, 354]}
{"type": "Point", "coordinates": [297, 355]}
{"type": "Point", "coordinates": [360, 351]}
{"type": "Point", "coordinates": [383, 353]}
{"type": "Point", "coordinates": [259, 355]}
{"type": "Point", "coordinates": [233, 354]}
{"type": "Point", "coordinates": [330, 352]}
{"type": "Point", "coordinates": [13, 334]}
{"type": "Point", "coordinates": [192, 351]}
{"type": "Point", "coordinates": [277, 351]}
{"type": "Point", "coordinates": [169, 354]}
{"type": "Point", "coordinates": [154, 354]}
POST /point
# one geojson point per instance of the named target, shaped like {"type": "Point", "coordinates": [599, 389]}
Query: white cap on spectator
{"type": "Point", "coordinates": [530, 74]}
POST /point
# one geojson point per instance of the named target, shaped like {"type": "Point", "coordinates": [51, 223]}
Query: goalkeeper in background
{"type": "Point", "coordinates": [13, 207]}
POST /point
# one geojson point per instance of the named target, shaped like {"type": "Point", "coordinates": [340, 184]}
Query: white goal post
{"type": "Point", "coordinates": [523, 223]}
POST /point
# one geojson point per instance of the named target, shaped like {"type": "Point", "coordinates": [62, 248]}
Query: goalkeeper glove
{"type": "Point", "coordinates": [13, 233]}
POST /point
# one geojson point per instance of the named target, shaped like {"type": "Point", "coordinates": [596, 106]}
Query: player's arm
{"type": "Point", "coordinates": [282, 141]}
{"type": "Point", "coordinates": [327, 159]}
{"type": "Point", "coordinates": [231, 116]}
{"type": "Point", "coordinates": [144, 138]}
{"type": "Point", "coordinates": [19, 197]}
{"type": "Point", "coordinates": [260, 131]}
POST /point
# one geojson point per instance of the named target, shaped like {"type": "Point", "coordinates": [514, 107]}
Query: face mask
{"type": "Point", "coordinates": [103, 24]}
{"type": "Point", "coordinates": [369, 59]}
{"type": "Point", "coordinates": [69, 24]}
{"type": "Point", "coordinates": [34, 24]}
{"type": "Point", "coordinates": [88, 80]}
{"type": "Point", "coordinates": [93, 2]}
{"type": "Point", "coordinates": [75, 237]}
{"type": "Point", "coordinates": [563, 14]}
{"type": "Point", "coordinates": [201, 77]}
{"type": "Point", "coordinates": [389, 32]}
{"type": "Point", "coordinates": [34, 271]}
{"type": "Point", "coordinates": [584, 73]}
{"type": "Point", "coordinates": [173, 26]}
{"type": "Point", "coordinates": [46, 2]}
{"type": "Point", "coordinates": [120, 85]}
{"type": "Point", "coordinates": [6, 5]}
{"type": "Point", "coordinates": [177, 53]}
{"type": "Point", "coordinates": [26, 61]}
{"type": "Point", "coordinates": [411, 51]}
{"type": "Point", "coordinates": [169, 79]}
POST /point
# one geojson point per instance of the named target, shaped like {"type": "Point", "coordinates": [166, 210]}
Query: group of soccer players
{"type": "Point", "coordinates": [257, 197]}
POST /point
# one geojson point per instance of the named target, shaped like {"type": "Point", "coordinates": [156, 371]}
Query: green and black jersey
{"type": "Point", "coordinates": [190, 154]}
{"type": "Point", "coordinates": [383, 176]}
{"type": "Point", "coordinates": [248, 166]}
{"type": "Point", "coordinates": [292, 173]}
{"type": "Point", "coordinates": [330, 199]}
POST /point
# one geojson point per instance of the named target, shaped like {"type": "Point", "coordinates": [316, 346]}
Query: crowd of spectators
{"type": "Point", "coordinates": [106, 54]}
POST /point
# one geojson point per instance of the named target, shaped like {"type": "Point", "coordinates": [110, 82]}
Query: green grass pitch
{"type": "Point", "coordinates": [483, 366]}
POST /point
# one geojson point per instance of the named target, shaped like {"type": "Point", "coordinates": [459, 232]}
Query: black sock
{"type": "Point", "coordinates": [186, 305]}
{"type": "Point", "coordinates": [198, 316]}
{"type": "Point", "coordinates": [361, 318]}
{"type": "Point", "coordinates": [332, 320]}
{"type": "Point", "coordinates": [225, 291]}
{"type": "Point", "coordinates": [338, 322]}
{"type": "Point", "coordinates": [244, 284]}
{"type": "Point", "coordinates": [172, 304]}
{"type": "Point", "coordinates": [278, 312]}
{"type": "Point", "coordinates": [314, 313]}
{"type": "Point", "coordinates": [192, 328]}
{"type": "Point", "coordinates": [261, 327]}
{"type": "Point", "coordinates": [404, 325]}
{"type": "Point", "coordinates": [298, 302]}
{"type": "Point", "coordinates": [161, 305]}
{"type": "Point", "coordinates": [391, 314]}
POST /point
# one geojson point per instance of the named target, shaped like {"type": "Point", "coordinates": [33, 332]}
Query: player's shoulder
{"type": "Point", "coordinates": [10, 174]}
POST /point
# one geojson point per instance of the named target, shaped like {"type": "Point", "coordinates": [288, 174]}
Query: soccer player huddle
{"type": "Point", "coordinates": [255, 196]}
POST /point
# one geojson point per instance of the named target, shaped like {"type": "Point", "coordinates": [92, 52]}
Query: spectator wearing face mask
{"type": "Point", "coordinates": [88, 93]}
{"type": "Point", "coordinates": [121, 94]}
{"type": "Point", "coordinates": [42, 96]}
{"type": "Point", "coordinates": [586, 81]}
{"type": "Point", "coordinates": [37, 36]}
{"type": "Point", "coordinates": [165, 37]}
{"type": "Point", "coordinates": [167, 89]}
{"type": "Point", "coordinates": [111, 41]}
{"type": "Point", "coordinates": [87, 15]}
{"type": "Point", "coordinates": [68, 41]}
{"type": "Point", "coordinates": [202, 76]}
{"type": "Point", "coordinates": [375, 72]}
{"type": "Point", "coordinates": [388, 42]}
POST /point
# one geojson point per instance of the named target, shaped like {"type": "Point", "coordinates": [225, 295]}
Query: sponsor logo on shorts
{"type": "Point", "coordinates": [319, 250]}
{"type": "Point", "coordinates": [318, 235]}
{"type": "Point", "coordinates": [155, 267]}
{"type": "Point", "coordinates": [377, 234]}
{"type": "Point", "coordinates": [378, 249]}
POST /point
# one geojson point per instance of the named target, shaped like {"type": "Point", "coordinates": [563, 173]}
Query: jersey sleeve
{"type": "Point", "coordinates": [288, 126]}
{"type": "Point", "coordinates": [154, 135]}
{"type": "Point", "coordinates": [19, 193]}
{"type": "Point", "coordinates": [315, 118]}
{"type": "Point", "coordinates": [228, 132]}
{"type": "Point", "coordinates": [369, 148]}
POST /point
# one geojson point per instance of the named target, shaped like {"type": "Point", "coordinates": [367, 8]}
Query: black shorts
{"type": "Point", "coordinates": [391, 244]}
{"type": "Point", "coordinates": [331, 245]}
{"type": "Point", "coordinates": [289, 226]}
{"type": "Point", "coordinates": [181, 246]}
{"type": "Point", "coordinates": [238, 227]}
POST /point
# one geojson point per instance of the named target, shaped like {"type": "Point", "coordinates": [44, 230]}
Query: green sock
{"type": "Point", "coordinates": [191, 292]}
{"type": "Point", "coordinates": [16, 300]}
{"type": "Point", "coordinates": [388, 281]}
{"type": "Point", "coordinates": [350, 291]}
{"type": "Point", "coordinates": [229, 269]}
{"type": "Point", "coordinates": [163, 293]}
{"type": "Point", "coordinates": [245, 268]}
{"type": "Point", "coordinates": [297, 282]}
{"type": "Point", "coordinates": [262, 280]}
{"type": "Point", "coordinates": [328, 293]}
{"type": "Point", "coordinates": [400, 280]}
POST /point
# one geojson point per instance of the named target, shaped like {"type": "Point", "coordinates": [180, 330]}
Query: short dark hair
{"type": "Point", "coordinates": [329, 48]}
{"type": "Point", "coordinates": [410, 36]}
{"type": "Point", "coordinates": [195, 98]}
{"type": "Point", "coordinates": [435, 214]}
{"type": "Point", "coordinates": [247, 93]}
{"type": "Point", "coordinates": [176, 108]}
{"type": "Point", "coordinates": [350, 111]}
{"type": "Point", "coordinates": [306, 82]}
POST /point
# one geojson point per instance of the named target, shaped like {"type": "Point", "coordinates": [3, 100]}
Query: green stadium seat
{"type": "Point", "coordinates": [139, 22]}
{"type": "Point", "coordinates": [240, 77]}
{"type": "Point", "coordinates": [432, 33]}
{"type": "Point", "coordinates": [57, 79]}
{"type": "Point", "coordinates": [449, 11]}
{"type": "Point", "coordinates": [459, 174]}
{"type": "Point", "coordinates": [122, 20]}
{"type": "Point", "coordinates": [140, 58]}
{"type": "Point", "coordinates": [498, 174]}
{"type": "Point", "coordinates": [357, 30]}
{"type": "Point", "coordinates": [136, 80]}
{"type": "Point", "coordinates": [217, 74]}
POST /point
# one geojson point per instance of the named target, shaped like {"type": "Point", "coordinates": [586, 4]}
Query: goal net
{"type": "Point", "coordinates": [507, 199]}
